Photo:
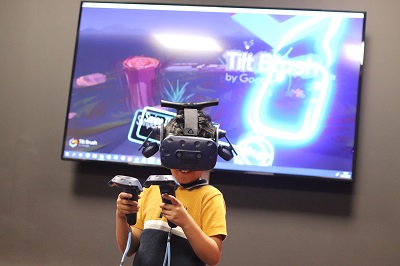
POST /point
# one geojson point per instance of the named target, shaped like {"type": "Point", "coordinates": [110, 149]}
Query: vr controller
{"type": "Point", "coordinates": [167, 185]}
{"type": "Point", "coordinates": [129, 185]}
{"type": "Point", "coordinates": [188, 152]}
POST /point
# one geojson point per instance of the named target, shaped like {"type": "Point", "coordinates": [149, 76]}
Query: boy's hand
{"type": "Point", "coordinates": [125, 205]}
{"type": "Point", "coordinates": [174, 212]}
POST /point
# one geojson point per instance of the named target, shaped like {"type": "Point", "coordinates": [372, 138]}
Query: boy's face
{"type": "Point", "coordinates": [185, 176]}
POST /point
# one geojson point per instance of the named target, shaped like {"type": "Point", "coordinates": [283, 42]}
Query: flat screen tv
{"type": "Point", "coordinates": [287, 80]}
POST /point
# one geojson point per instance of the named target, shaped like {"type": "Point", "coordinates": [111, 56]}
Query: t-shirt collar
{"type": "Point", "coordinates": [197, 183]}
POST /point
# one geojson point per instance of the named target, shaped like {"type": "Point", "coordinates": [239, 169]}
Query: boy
{"type": "Point", "coordinates": [198, 210]}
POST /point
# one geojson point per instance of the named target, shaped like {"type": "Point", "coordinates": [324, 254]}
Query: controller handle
{"type": "Point", "coordinates": [167, 189]}
{"type": "Point", "coordinates": [167, 185]}
{"type": "Point", "coordinates": [170, 190]}
{"type": "Point", "coordinates": [129, 185]}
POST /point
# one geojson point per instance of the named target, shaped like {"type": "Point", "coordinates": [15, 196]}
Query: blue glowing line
{"type": "Point", "coordinates": [270, 37]}
{"type": "Point", "coordinates": [297, 31]}
{"type": "Point", "coordinates": [332, 29]}
{"type": "Point", "coordinates": [320, 88]}
{"type": "Point", "coordinates": [312, 114]}
{"type": "Point", "coordinates": [255, 149]}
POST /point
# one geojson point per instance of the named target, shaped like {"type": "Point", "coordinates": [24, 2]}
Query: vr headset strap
{"type": "Point", "coordinates": [191, 122]}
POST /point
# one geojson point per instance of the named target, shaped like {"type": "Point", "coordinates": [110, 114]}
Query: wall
{"type": "Point", "coordinates": [55, 212]}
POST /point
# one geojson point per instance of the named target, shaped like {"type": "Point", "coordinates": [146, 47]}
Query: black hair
{"type": "Point", "coordinates": [205, 128]}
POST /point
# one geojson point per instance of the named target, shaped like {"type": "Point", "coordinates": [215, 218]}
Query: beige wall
{"type": "Point", "coordinates": [54, 212]}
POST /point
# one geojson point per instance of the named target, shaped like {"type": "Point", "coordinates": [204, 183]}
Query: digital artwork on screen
{"type": "Point", "coordinates": [288, 83]}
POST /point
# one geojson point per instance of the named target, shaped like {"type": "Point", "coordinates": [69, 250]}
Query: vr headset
{"type": "Point", "coordinates": [188, 151]}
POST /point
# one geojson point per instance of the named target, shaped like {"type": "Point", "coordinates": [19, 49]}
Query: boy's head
{"type": "Point", "coordinates": [190, 140]}
{"type": "Point", "coordinates": [195, 151]}
{"type": "Point", "coordinates": [205, 128]}
{"type": "Point", "coordinates": [176, 128]}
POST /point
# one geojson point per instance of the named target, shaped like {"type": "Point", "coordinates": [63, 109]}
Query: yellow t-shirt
{"type": "Point", "coordinates": [204, 203]}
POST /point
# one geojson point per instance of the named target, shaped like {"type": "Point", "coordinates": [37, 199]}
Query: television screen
{"type": "Point", "coordinates": [288, 83]}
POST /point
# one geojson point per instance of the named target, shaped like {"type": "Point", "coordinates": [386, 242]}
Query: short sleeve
{"type": "Point", "coordinates": [213, 217]}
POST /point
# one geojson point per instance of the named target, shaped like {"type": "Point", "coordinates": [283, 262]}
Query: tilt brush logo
{"type": "Point", "coordinates": [73, 143]}
{"type": "Point", "coordinates": [82, 143]}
